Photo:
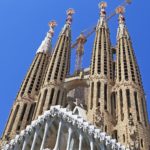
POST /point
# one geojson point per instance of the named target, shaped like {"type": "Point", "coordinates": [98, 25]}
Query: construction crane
{"type": "Point", "coordinates": [85, 34]}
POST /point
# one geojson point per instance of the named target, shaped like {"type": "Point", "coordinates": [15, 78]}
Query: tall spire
{"type": "Point", "coordinates": [100, 71]}
{"type": "Point", "coordinates": [130, 95]}
{"type": "Point", "coordinates": [45, 46]}
{"type": "Point", "coordinates": [102, 56]}
{"type": "Point", "coordinates": [125, 54]}
{"type": "Point", "coordinates": [23, 108]}
{"type": "Point", "coordinates": [57, 70]}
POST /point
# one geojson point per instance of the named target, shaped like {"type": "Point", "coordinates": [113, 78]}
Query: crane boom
{"type": "Point", "coordinates": [81, 40]}
{"type": "Point", "coordinates": [88, 33]}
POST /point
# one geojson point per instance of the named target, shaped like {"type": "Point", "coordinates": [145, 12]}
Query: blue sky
{"type": "Point", "coordinates": [23, 25]}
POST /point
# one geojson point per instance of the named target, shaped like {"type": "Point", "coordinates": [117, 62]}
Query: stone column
{"type": "Point", "coordinates": [35, 138]}
{"type": "Point", "coordinates": [25, 143]}
{"type": "Point", "coordinates": [58, 137]}
{"type": "Point", "coordinates": [80, 141]}
{"type": "Point", "coordinates": [69, 138]}
{"type": "Point", "coordinates": [91, 144]}
{"type": "Point", "coordinates": [45, 134]}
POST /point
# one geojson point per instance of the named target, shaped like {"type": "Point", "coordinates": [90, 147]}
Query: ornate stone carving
{"type": "Point", "coordinates": [68, 118]}
{"type": "Point", "coordinates": [134, 144]}
{"type": "Point", "coordinates": [99, 118]}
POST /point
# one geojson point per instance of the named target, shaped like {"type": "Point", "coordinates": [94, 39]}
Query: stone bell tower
{"type": "Point", "coordinates": [25, 103]}
{"type": "Point", "coordinates": [101, 75]}
{"type": "Point", "coordinates": [132, 124]}
{"type": "Point", "coordinates": [52, 92]}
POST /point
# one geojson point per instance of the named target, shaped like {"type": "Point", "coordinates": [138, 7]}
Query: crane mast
{"type": "Point", "coordinates": [84, 35]}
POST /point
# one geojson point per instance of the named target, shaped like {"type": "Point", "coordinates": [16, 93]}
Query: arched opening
{"type": "Point", "coordinates": [142, 144]}
{"type": "Point", "coordinates": [115, 135]}
{"type": "Point", "coordinates": [124, 139]}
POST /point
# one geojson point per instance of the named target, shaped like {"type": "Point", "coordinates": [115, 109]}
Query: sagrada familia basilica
{"type": "Point", "coordinates": [102, 107]}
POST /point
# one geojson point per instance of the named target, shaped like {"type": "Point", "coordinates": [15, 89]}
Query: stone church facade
{"type": "Point", "coordinates": [100, 107]}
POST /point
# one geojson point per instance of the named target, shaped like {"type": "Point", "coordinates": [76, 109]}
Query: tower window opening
{"type": "Point", "coordinates": [114, 70]}
{"type": "Point", "coordinates": [98, 89]}
{"type": "Point", "coordinates": [105, 53]}
{"type": "Point", "coordinates": [43, 101]}
{"type": "Point", "coordinates": [57, 99]}
{"type": "Point", "coordinates": [113, 103]}
{"type": "Point", "coordinates": [121, 105]}
{"type": "Point", "coordinates": [124, 138]}
{"type": "Point", "coordinates": [92, 90]}
{"type": "Point", "coordinates": [115, 135]}
{"type": "Point", "coordinates": [23, 112]}
{"type": "Point", "coordinates": [105, 96]}
{"type": "Point", "coordinates": [51, 98]}
{"type": "Point", "coordinates": [98, 92]}
{"type": "Point", "coordinates": [105, 128]}
{"type": "Point", "coordinates": [144, 113]}
{"type": "Point", "coordinates": [119, 62]}
{"type": "Point", "coordinates": [136, 105]}
{"type": "Point", "coordinates": [128, 100]}
{"type": "Point", "coordinates": [125, 61]}
{"type": "Point", "coordinates": [30, 115]}
{"type": "Point", "coordinates": [142, 145]}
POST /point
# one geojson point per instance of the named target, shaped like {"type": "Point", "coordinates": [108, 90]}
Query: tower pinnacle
{"type": "Point", "coordinates": [102, 6]}
{"type": "Point", "coordinates": [102, 21]}
{"type": "Point", "coordinates": [45, 46]}
{"type": "Point", "coordinates": [69, 12]}
{"type": "Point", "coordinates": [122, 30]}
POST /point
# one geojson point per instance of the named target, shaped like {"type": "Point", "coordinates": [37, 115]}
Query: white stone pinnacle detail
{"type": "Point", "coordinates": [96, 137]}
{"type": "Point", "coordinates": [122, 29]}
{"type": "Point", "coordinates": [45, 46]}
{"type": "Point", "coordinates": [102, 21]}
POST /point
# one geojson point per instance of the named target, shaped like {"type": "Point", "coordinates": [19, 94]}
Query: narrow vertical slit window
{"type": "Point", "coordinates": [57, 99]}
{"type": "Point", "coordinates": [121, 105]}
{"type": "Point", "coordinates": [51, 98]}
{"type": "Point", "coordinates": [23, 112]}
{"type": "Point", "coordinates": [92, 90]}
{"type": "Point", "coordinates": [30, 115]}
{"type": "Point", "coordinates": [144, 112]}
{"type": "Point", "coordinates": [98, 89]}
{"type": "Point", "coordinates": [136, 105]}
{"type": "Point", "coordinates": [43, 101]}
{"type": "Point", "coordinates": [105, 96]}
{"type": "Point", "coordinates": [128, 100]}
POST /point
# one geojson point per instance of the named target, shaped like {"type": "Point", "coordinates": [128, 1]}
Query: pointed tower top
{"type": "Point", "coordinates": [45, 46]}
{"type": "Point", "coordinates": [102, 6]}
{"type": "Point", "coordinates": [69, 12]}
{"type": "Point", "coordinates": [121, 10]}
{"type": "Point", "coordinates": [102, 22]}
{"type": "Point", "coordinates": [66, 28]}
{"type": "Point", "coordinates": [122, 29]}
